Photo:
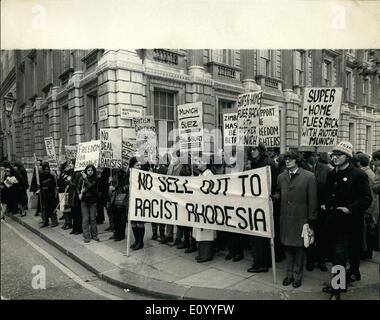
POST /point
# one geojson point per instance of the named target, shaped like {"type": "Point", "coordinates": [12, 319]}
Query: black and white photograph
{"type": "Point", "coordinates": [221, 173]}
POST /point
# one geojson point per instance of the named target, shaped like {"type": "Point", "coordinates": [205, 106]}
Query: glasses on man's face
{"type": "Point", "coordinates": [289, 158]}
{"type": "Point", "coordinates": [337, 155]}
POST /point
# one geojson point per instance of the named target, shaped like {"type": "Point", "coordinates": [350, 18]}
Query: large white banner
{"type": "Point", "coordinates": [249, 105]}
{"type": "Point", "coordinates": [237, 203]}
{"type": "Point", "coordinates": [320, 116]}
{"type": "Point", "coordinates": [190, 126]}
{"type": "Point", "coordinates": [229, 129]}
{"type": "Point", "coordinates": [50, 152]}
{"type": "Point", "coordinates": [87, 153]}
{"type": "Point", "coordinates": [110, 149]}
{"type": "Point", "coordinates": [269, 127]}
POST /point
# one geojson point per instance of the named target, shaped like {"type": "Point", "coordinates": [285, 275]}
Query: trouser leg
{"type": "Point", "coordinates": [290, 257]}
{"type": "Point", "coordinates": [260, 251]}
{"type": "Point", "coordinates": [93, 222]}
{"type": "Point", "coordinates": [85, 220]}
{"type": "Point", "coordinates": [356, 245]}
{"type": "Point", "coordinates": [299, 258]}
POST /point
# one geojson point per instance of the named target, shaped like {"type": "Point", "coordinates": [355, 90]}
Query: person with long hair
{"type": "Point", "coordinates": [138, 228]}
{"type": "Point", "coordinates": [88, 195]}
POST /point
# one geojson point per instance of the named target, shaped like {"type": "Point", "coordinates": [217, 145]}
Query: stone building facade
{"type": "Point", "coordinates": [70, 94]}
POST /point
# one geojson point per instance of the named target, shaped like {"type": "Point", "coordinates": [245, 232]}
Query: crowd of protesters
{"type": "Point", "coordinates": [334, 195]}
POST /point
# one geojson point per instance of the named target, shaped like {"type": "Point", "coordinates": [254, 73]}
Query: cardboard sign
{"type": "Point", "coordinates": [129, 112]}
{"type": "Point", "coordinates": [320, 116]}
{"type": "Point", "coordinates": [238, 203]}
{"type": "Point", "coordinates": [50, 152]}
{"type": "Point", "coordinates": [248, 115]}
{"type": "Point", "coordinates": [190, 126]}
{"type": "Point", "coordinates": [230, 129]}
{"type": "Point", "coordinates": [88, 153]}
{"type": "Point", "coordinates": [103, 113]}
{"type": "Point", "coordinates": [127, 152]}
{"type": "Point", "coordinates": [110, 148]}
{"type": "Point", "coordinates": [146, 136]}
{"type": "Point", "coordinates": [269, 126]}
{"type": "Point", "coordinates": [70, 152]}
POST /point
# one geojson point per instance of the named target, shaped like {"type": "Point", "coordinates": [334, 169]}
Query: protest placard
{"type": "Point", "coordinates": [70, 152]}
{"type": "Point", "coordinates": [229, 129]}
{"type": "Point", "coordinates": [87, 153]}
{"type": "Point", "coordinates": [110, 148]}
{"type": "Point", "coordinates": [237, 203]}
{"type": "Point", "coordinates": [146, 136]}
{"type": "Point", "coordinates": [50, 152]}
{"type": "Point", "coordinates": [269, 126]}
{"type": "Point", "coordinates": [248, 115]}
{"type": "Point", "coordinates": [320, 116]}
{"type": "Point", "coordinates": [190, 126]}
{"type": "Point", "coordinates": [127, 152]}
{"type": "Point", "coordinates": [130, 112]}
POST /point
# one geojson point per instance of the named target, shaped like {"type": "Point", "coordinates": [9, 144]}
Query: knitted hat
{"type": "Point", "coordinates": [344, 147]}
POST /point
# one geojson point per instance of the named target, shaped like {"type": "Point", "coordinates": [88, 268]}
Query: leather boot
{"type": "Point", "coordinates": [141, 233]}
{"type": "Point", "coordinates": [135, 234]}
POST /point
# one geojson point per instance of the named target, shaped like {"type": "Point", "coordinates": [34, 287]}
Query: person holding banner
{"type": "Point", "coordinates": [118, 193]}
{"type": "Point", "coordinates": [138, 228]}
{"type": "Point", "coordinates": [174, 169]}
{"type": "Point", "coordinates": [204, 237]}
{"type": "Point", "coordinates": [73, 200]}
{"type": "Point", "coordinates": [34, 185]}
{"type": "Point", "coordinates": [49, 196]}
{"type": "Point", "coordinates": [235, 242]}
{"type": "Point", "coordinates": [88, 195]}
{"type": "Point", "coordinates": [297, 189]}
{"type": "Point", "coordinates": [65, 174]}
{"type": "Point", "coordinates": [260, 246]}
{"type": "Point", "coordinates": [347, 197]}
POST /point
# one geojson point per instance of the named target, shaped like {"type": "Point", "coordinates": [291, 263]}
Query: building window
{"type": "Point", "coordinates": [326, 73]}
{"type": "Point", "coordinates": [46, 125]}
{"type": "Point", "coordinates": [366, 92]}
{"type": "Point", "coordinates": [223, 56]}
{"type": "Point", "coordinates": [351, 133]}
{"type": "Point", "coordinates": [368, 140]}
{"type": "Point", "coordinates": [300, 68]}
{"type": "Point", "coordinates": [164, 117]}
{"type": "Point", "coordinates": [65, 130]}
{"type": "Point", "coordinates": [348, 85]}
{"type": "Point", "coordinates": [92, 117]}
{"type": "Point", "coordinates": [265, 63]}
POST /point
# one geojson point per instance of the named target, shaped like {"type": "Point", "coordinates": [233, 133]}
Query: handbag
{"type": "Point", "coordinates": [120, 199]}
{"type": "Point", "coordinates": [33, 201]}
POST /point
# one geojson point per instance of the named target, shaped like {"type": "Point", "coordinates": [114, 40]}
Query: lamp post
{"type": "Point", "coordinates": [9, 103]}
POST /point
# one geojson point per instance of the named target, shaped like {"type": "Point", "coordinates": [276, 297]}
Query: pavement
{"type": "Point", "coordinates": [165, 272]}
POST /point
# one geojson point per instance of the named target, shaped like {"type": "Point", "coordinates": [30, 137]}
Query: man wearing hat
{"type": "Point", "coordinates": [347, 197]}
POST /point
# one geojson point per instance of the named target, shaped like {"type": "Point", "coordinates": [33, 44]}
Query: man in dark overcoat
{"type": "Point", "coordinates": [297, 189]}
{"type": "Point", "coordinates": [347, 196]}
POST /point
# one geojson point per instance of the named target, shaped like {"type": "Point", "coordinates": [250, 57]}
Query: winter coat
{"type": "Point", "coordinates": [91, 185]}
{"type": "Point", "coordinates": [298, 205]}
{"type": "Point", "coordinates": [346, 188]}
{"type": "Point", "coordinates": [48, 190]}
{"type": "Point", "coordinates": [120, 181]}
{"type": "Point", "coordinates": [321, 171]}
{"type": "Point", "coordinates": [201, 234]}
{"type": "Point", "coordinates": [374, 207]}
{"type": "Point", "coordinates": [264, 160]}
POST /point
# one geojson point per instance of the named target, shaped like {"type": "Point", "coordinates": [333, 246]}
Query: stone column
{"type": "Point", "coordinates": [121, 83]}
{"type": "Point", "coordinates": [201, 89]}
{"type": "Point", "coordinates": [291, 129]}
{"type": "Point", "coordinates": [38, 128]}
{"type": "Point", "coordinates": [247, 62]}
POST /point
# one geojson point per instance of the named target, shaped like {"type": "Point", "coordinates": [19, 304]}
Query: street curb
{"type": "Point", "coordinates": [164, 290]}
{"type": "Point", "coordinates": [158, 288]}
{"type": "Point", "coordinates": [98, 273]}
